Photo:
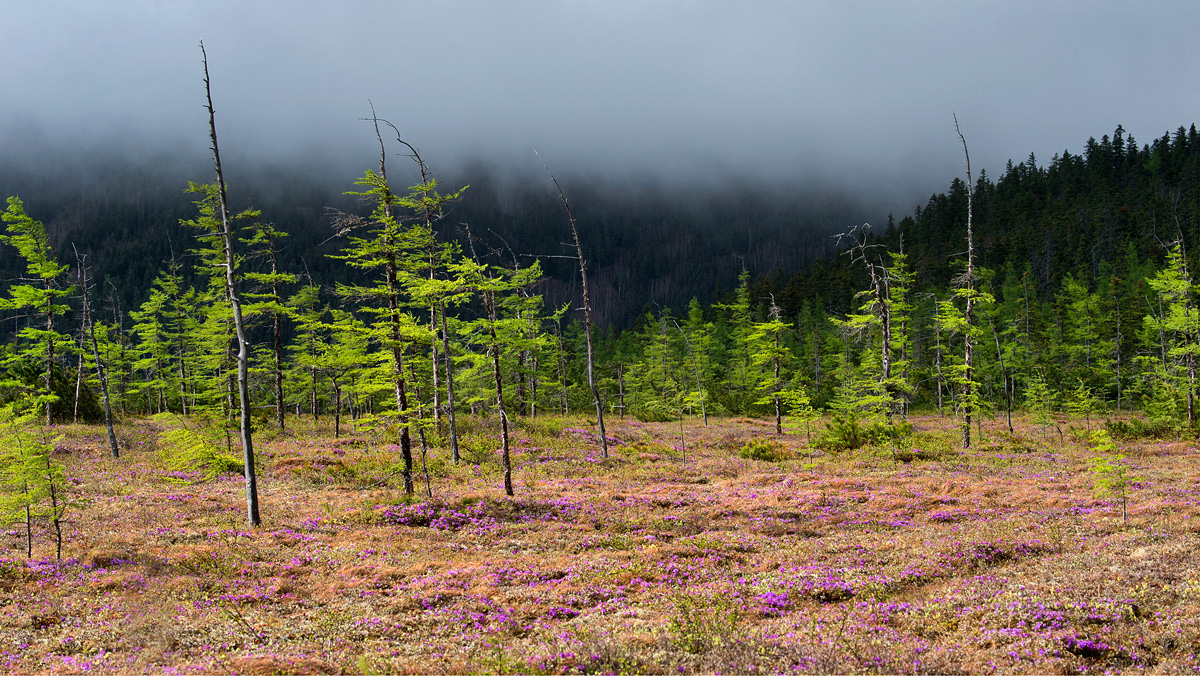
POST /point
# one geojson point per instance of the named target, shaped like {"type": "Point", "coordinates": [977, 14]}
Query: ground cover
{"type": "Point", "coordinates": [674, 555]}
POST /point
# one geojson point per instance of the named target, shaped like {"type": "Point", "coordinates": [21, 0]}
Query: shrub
{"type": "Point", "coordinates": [200, 449]}
{"type": "Point", "coordinates": [545, 427]}
{"type": "Point", "coordinates": [645, 450]}
{"type": "Point", "coordinates": [701, 623]}
{"type": "Point", "coordinates": [845, 433]}
{"type": "Point", "coordinates": [1110, 472]}
{"type": "Point", "coordinates": [767, 450]}
{"type": "Point", "coordinates": [926, 446]}
{"type": "Point", "coordinates": [476, 448]}
{"type": "Point", "coordinates": [1139, 428]}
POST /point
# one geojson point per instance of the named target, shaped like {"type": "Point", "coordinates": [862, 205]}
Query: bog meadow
{"type": "Point", "coordinates": [965, 442]}
{"type": "Point", "coordinates": [719, 548]}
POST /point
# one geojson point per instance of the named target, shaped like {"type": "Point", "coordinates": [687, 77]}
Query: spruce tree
{"type": "Point", "coordinates": [378, 244]}
{"type": "Point", "coordinates": [770, 356]}
{"type": "Point", "coordinates": [39, 297]}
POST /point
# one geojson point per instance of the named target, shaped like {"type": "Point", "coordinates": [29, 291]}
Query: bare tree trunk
{"type": "Point", "coordinates": [489, 304]}
{"type": "Point", "coordinates": [449, 388]}
{"type": "Point", "coordinates": [101, 369]}
{"type": "Point", "coordinates": [505, 458]}
{"type": "Point", "coordinates": [587, 319]}
{"type": "Point", "coordinates": [968, 342]}
{"type": "Point", "coordinates": [243, 355]}
{"type": "Point", "coordinates": [78, 380]}
{"type": "Point", "coordinates": [337, 408]}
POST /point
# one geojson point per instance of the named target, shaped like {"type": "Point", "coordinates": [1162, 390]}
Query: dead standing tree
{"type": "Point", "coordinates": [587, 314]}
{"type": "Point", "coordinates": [231, 291]}
{"type": "Point", "coordinates": [89, 328]}
{"type": "Point", "coordinates": [967, 283]}
{"type": "Point", "coordinates": [878, 307]}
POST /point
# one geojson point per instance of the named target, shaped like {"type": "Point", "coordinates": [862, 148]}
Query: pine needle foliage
{"type": "Point", "coordinates": [196, 451]}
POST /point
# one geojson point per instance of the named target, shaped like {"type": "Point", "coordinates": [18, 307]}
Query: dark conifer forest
{"type": "Point", "coordinates": [577, 427]}
{"type": "Point", "coordinates": [610, 337]}
{"type": "Point", "coordinates": [1084, 285]}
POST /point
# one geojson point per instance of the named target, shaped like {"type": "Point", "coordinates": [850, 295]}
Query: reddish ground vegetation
{"type": "Point", "coordinates": [923, 558]}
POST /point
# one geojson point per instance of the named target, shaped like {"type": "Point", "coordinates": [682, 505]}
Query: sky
{"type": "Point", "coordinates": [848, 93]}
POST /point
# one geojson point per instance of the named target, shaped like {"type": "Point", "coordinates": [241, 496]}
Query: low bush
{"type": "Point", "coordinates": [702, 623]}
{"type": "Point", "coordinates": [197, 451]}
{"type": "Point", "coordinates": [1140, 428]}
{"type": "Point", "coordinates": [846, 433]}
{"type": "Point", "coordinates": [645, 451]}
{"type": "Point", "coordinates": [767, 450]}
{"type": "Point", "coordinates": [926, 446]}
{"type": "Point", "coordinates": [545, 427]}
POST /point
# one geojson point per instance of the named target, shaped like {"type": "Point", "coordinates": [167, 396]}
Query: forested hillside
{"type": "Point", "coordinates": [983, 409]}
{"type": "Point", "coordinates": [647, 241]}
{"type": "Point", "coordinates": [1084, 285]}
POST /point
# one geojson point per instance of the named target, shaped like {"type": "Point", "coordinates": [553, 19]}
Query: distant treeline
{"type": "Point", "coordinates": [1084, 293]}
{"type": "Point", "coordinates": [646, 242]}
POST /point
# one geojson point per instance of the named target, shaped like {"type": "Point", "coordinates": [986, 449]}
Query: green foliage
{"type": "Point", "coordinates": [702, 623]}
{"type": "Point", "coordinates": [1138, 428]}
{"type": "Point", "coordinates": [799, 410]}
{"type": "Point", "coordinates": [1083, 403]}
{"type": "Point", "coordinates": [845, 432]}
{"type": "Point", "coordinates": [196, 451]}
{"type": "Point", "coordinates": [1109, 470]}
{"type": "Point", "coordinates": [1165, 405]}
{"type": "Point", "coordinates": [767, 450]}
{"type": "Point", "coordinates": [1039, 400]}
{"type": "Point", "coordinates": [926, 446]}
{"type": "Point", "coordinates": [645, 451]}
{"type": "Point", "coordinates": [34, 484]}
{"type": "Point", "coordinates": [41, 299]}
{"type": "Point", "coordinates": [654, 410]}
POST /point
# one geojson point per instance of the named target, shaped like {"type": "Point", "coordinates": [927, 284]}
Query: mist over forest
{"type": "Point", "coordinates": [842, 338]}
{"type": "Point", "coordinates": [649, 241]}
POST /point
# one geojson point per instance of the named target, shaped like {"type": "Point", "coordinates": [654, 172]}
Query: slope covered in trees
{"type": "Point", "coordinates": [1086, 286]}
{"type": "Point", "coordinates": [649, 241]}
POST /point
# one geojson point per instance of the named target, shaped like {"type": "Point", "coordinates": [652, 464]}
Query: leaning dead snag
{"type": "Point", "coordinates": [587, 316]}
{"type": "Point", "coordinates": [101, 369]}
{"type": "Point", "coordinates": [231, 291]}
{"type": "Point", "coordinates": [967, 280]}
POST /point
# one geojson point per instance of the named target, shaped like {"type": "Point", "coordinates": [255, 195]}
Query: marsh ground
{"type": "Point", "coordinates": [671, 556]}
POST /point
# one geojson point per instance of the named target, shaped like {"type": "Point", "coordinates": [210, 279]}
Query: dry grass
{"type": "Point", "coordinates": [674, 555]}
